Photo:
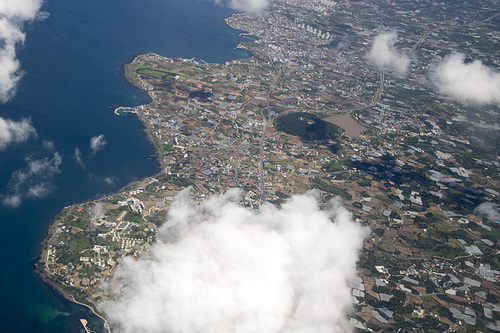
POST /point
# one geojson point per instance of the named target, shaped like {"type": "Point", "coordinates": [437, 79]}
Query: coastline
{"type": "Point", "coordinates": [41, 260]}
{"type": "Point", "coordinates": [40, 263]}
{"type": "Point", "coordinates": [43, 276]}
{"type": "Point", "coordinates": [68, 297]}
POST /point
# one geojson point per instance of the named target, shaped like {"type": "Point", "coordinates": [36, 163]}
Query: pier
{"type": "Point", "coordinates": [84, 324]}
{"type": "Point", "coordinates": [121, 110]}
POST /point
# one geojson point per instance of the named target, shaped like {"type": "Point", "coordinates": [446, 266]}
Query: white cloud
{"type": "Point", "coordinates": [466, 82]}
{"type": "Point", "coordinates": [488, 210]}
{"type": "Point", "coordinates": [97, 143]}
{"type": "Point", "coordinates": [44, 167]}
{"type": "Point", "coordinates": [384, 55]}
{"type": "Point", "coordinates": [12, 200]}
{"type": "Point", "coordinates": [249, 6]}
{"type": "Point", "coordinates": [219, 267]}
{"type": "Point", "coordinates": [78, 157]}
{"type": "Point", "coordinates": [15, 131]}
{"type": "Point", "coordinates": [34, 181]}
{"type": "Point", "coordinates": [48, 145]}
{"type": "Point", "coordinates": [96, 212]}
{"type": "Point", "coordinates": [110, 180]}
{"type": "Point", "coordinates": [13, 16]}
{"type": "Point", "coordinates": [38, 190]}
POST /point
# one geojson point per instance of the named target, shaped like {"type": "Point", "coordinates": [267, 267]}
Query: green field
{"type": "Point", "coordinates": [144, 68]}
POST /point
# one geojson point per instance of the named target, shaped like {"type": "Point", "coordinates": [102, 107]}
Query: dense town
{"type": "Point", "coordinates": [308, 110]}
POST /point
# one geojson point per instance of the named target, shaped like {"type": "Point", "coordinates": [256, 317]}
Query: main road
{"type": "Point", "coordinates": [267, 119]}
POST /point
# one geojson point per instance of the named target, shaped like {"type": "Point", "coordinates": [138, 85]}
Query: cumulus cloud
{"type": "Point", "coordinates": [488, 210]}
{"type": "Point", "coordinates": [97, 143]}
{"type": "Point", "coordinates": [34, 181]}
{"type": "Point", "coordinates": [466, 82]}
{"type": "Point", "coordinates": [13, 16]}
{"type": "Point", "coordinates": [15, 131]}
{"type": "Point", "coordinates": [384, 55]}
{"type": "Point", "coordinates": [219, 267]}
{"type": "Point", "coordinates": [249, 6]}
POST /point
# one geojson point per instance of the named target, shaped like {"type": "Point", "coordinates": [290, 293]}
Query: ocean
{"type": "Point", "coordinates": [73, 78]}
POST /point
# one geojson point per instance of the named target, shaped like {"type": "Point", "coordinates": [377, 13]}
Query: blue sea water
{"type": "Point", "coordinates": [73, 76]}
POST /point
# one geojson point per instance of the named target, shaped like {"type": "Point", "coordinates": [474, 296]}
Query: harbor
{"type": "Point", "coordinates": [121, 110]}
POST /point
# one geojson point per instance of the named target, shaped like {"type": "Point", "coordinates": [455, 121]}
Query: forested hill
{"type": "Point", "coordinates": [308, 126]}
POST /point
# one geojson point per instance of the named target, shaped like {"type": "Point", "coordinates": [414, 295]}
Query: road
{"type": "Point", "coordinates": [266, 119]}
{"type": "Point", "coordinates": [489, 18]}
{"type": "Point", "coordinates": [380, 89]}
{"type": "Point", "coordinates": [378, 93]}
{"type": "Point", "coordinates": [376, 97]}
{"type": "Point", "coordinates": [422, 38]}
